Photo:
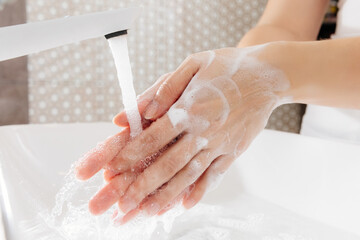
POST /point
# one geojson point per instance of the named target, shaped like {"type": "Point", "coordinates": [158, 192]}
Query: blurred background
{"type": "Point", "coordinates": [78, 83]}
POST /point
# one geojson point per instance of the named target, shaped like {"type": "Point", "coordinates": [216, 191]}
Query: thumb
{"type": "Point", "coordinates": [172, 88]}
{"type": "Point", "coordinates": [143, 101]}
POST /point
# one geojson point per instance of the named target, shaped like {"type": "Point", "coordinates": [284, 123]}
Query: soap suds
{"type": "Point", "coordinates": [214, 181]}
{"type": "Point", "coordinates": [201, 143]}
{"type": "Point", "coordinates": [241, 85]}
{"type": "Point", "coordinates": [177, 116]}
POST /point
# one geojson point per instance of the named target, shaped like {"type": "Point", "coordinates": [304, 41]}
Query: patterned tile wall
{"type": "Point", "coordinates": [13, 73]}
{"type": "Point", "coordinates": [77, 82]}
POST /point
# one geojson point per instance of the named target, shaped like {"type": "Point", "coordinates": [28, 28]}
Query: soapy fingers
{"type": "Point", "coordinates": [155, 101]}
{"type": "Point", "coordinates": [172, 88]}
{"type": "Point", "coordinates": [183, 179]}
{"type": "Point", "coordinates": [161, 171]}
{"type": "Point", "coordinates": [98, 157]}
{"type": "Point", "coordinates": [170, 194]}
{"type": "Point", "coordinates": [110, 194]}
{"type": "Point", "coordinates": [143, 101]}
{"type": "Point", "coordinates": [209, 180]}
{"type": "Point", "coordinates": [150, 142]}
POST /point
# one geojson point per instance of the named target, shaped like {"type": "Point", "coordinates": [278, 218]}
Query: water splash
{"type": "Point", "coordinates": [70, 218]}
{"type": "Point", "coordinates": [248, 217]}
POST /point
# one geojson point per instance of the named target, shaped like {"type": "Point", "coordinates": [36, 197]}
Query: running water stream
{"type": "Point", "coordinates": [119, 49]}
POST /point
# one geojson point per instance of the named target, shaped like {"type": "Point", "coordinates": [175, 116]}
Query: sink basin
{"type": "Point", "coordinates": [314, 179]}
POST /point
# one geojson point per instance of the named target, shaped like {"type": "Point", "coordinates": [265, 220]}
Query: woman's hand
{"type": "Point", "coordinates": [220, 100]}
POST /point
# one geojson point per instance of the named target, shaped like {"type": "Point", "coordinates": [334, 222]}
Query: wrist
{"type": "Point", "coordinates": [266, 33]}
{"type": "Point", "coordinates": [291, 59]}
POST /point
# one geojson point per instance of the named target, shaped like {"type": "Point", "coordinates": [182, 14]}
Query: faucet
{"type": "Point", "coordinates": [24, 39]}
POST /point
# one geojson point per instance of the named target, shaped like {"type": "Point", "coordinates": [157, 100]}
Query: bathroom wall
{"type": "Point", "coordinates": [77, 82]}
{"type": "Point", "coordinates": [13, 73]}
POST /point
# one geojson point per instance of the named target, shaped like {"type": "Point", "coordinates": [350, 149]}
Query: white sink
{"type": "Point", "coordinates": [314, 178]}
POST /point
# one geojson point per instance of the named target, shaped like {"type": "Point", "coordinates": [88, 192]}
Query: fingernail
{"type": "Point", "coordinates": [113, 119]}
{"type": "Point", "coordinates": [190, 202]}
{"type": "Point", "coordinates": [115, 214]}
{"type": "Point", "coordinates": [152, 209]}
{"type": "Point", "coordinates": [151, 110]}
{"type": "Point", "coordinates": [189, 190]}
{"type": "Point", "coordinates": [120, 221]}
{"type": "Point", "coordinates": [80, 170]}
{"type": "Point", "coordinates": [120, 121]}
{"type": "Point", "coordinates": [127, 204]}
{"type": "Point", "coordinates": [117, 218]}
{"type": "Point", "coordinates": [117, 222]}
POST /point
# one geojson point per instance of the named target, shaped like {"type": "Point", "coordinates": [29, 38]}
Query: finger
{"type": "Point", "coordinates": [169, 206]}
{"type": "Point", "coordinates": [161, 171]}
{"type": "Point", "coordinates": [212, 176]}
{"type": "Point", "coordinates": [103, 153]}
{"type": "Point", "coordinates": [143, 101]}
{"type": "Point", "coordinates": [166, 209]}
{"type": "Point", "coordinates": [184, 178]}
{"type": "Point", "coordinates": [110, 173]}
{"type": "Point", "coordinates": [148, 143]}
{"type": "Point", "coordinates": [127, 217]}
{"type": "Point", "coordinates": [172, 88]}
{"type": "Point", "coordinates": [121, 119]}
{"type": "Point", "coordinates": [111, 193]}
{"type": "Point", "coordinates": [131, 214]}
{"type": "Point", "coordinates": [177, 200]}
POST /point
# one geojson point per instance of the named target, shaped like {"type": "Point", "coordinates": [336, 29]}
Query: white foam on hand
{"type": "Point", "coordinates": [231, 83]}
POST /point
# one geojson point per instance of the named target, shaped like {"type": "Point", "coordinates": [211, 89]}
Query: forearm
{"type": "Point", "coordinates": [268, 33]}
{"type": "Point", "coordinates": [284, 20]}
{"type": "Point", "coordinates": [322, 72]}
